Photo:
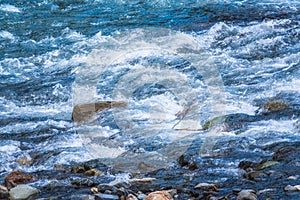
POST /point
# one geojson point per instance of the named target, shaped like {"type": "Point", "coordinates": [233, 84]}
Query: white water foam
{"type": "Point", "coordinates": [7, 35]}
{"type": "Point", "coordinates": [9, 8]}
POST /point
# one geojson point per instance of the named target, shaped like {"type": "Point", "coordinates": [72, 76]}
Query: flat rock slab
{"type": "Point", "coordinates": [23, 192]}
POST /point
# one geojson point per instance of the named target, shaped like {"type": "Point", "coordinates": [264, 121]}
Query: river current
{"type": "Point", "coordinates": [177, 64]}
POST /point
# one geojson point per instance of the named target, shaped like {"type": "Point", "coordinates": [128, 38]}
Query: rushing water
{"type": "Point", "coordinates": [161, 57]}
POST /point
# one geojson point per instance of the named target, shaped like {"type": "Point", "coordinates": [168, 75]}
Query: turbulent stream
{"type": "Point", "coordinates": [176, 64]}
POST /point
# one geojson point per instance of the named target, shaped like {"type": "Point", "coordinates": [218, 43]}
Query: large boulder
{"type": "Point", "coordinates": [23, 192]}
{"type": "Point", "coordinates": [18, 177]}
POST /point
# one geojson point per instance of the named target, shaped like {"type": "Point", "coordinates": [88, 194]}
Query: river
{"type": "Point", "coordinates": [176, 64]}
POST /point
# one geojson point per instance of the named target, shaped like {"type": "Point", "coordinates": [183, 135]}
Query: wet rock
{"type": "Point", "coordinates": [18, 177]}
{"type": "Point", "coordinates": [266, 164]}
{"type": "Point", "coordinates": [3, 192]}
{"type": "Point", "coordinates": [23, 192]}
{"type": "Point", "coordinates": [255, 175]}
{"type": "Point", "coordinates": [237, 121]}
{"type": "Point", "coordinates": [206, 187]}
{"type": "Point", "coordinates": [102, 196]}
{"type": "Point", "coordinates": [287, 154]}
{"type": "Point", "coordinates": [83, 169]}
{"type": "Point", "coordinates": [80, 169]}
{"type": "Point", "coordinates": [188, 161]}
{"type": "Point", "coordinates": [213, 122]}
{"type": "Point", "coordinates": [83, 182]}
{"type": "Point", "coordinates": [265, 191]}
{"type": "Point", "coordinates": [93, 172]}
{"type": "Point", "coordinates": [290, 188]}
{"type": "Point", "coordinates": [247, 165]}
{"type": "Point", "coordinates": [104, 187]}
{"type": "Point", "coordinates": [141, 180]}
{"type": "Point", "coordinates": [125, 184]}
{"type": "Point", "coordinates": [273, 106]}
{"type": "Point", "coordinates": [159, 195]}
{"type": "Point", "coordinates": [61, 168]}
{"type": "Point", "coordinates": [24, 161]}
{"type": "Point", "coordinates": [84, 112]}
{"type": "Point", "coordinates": [246, 195]}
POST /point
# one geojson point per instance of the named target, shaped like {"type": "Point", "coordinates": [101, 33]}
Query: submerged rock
{"type": "Point", "coordinates": [18, 177]}
{"type": "Point", "coordinates": [23, 192]}
{"type": "Point", "coordinates": [266, 164]}
{"type": "Point", "coordinates": [237, 121]}
{"type": "Point", "coordinates": [84, 112]}
{"type": "Point", "coordinates": [24, 161]}
{"type": "Point", "coordinates": [273, 106]}
{"type": "Point", "coordinates": [93, 172]}
{"type": "Point", "coordinates": [287, 154]}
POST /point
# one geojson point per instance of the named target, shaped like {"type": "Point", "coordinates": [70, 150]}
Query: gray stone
{"type": "Point", "coordinates": [23, 192]}
{"type": "Point", "coordinates": [101, 196]}
{"type": "Point", "coordinates": [246, 195]}
{"type": "Point", "coordinates": [206, 186]}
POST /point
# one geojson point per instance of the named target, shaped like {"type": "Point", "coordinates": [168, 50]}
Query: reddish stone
{"type": "Point", "coordinates": [18, 177]}
{"type": "Point", "coordinates": [159, 195]}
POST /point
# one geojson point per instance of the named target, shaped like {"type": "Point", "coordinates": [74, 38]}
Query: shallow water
{"type": "Point", "coordinates": [208, 58]}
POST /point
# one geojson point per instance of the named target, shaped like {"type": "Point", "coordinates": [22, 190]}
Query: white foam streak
{"type": "Point", "coordinates": [7, 35]}
{"type": "Point", "coordinates": [9, 8]}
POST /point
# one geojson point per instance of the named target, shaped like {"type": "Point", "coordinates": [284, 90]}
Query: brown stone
{"type": "Point", "coordinates": [92, 172]}
{"type": "Point", "coordinates": [18, 177]}
{"type": "Point", "coordinates": [24, 161]}
{"type": "Point", "coordinates": [84, 112]}
{"type": "Point", "coordinates": [159, 195]}
{"type": "Point", "coordinates": [273, 106]}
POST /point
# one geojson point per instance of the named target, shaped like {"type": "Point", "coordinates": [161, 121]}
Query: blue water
{"type": "Point", "coordinates": [163, 56]}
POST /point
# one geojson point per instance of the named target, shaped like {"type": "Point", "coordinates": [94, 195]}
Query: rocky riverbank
{"type": "Point", "coordinates": [272, 177]}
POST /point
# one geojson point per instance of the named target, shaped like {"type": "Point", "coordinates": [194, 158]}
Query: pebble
{"type": "Point", "coordinates": [94, 190]}
{"type": "Point", "coordinates": [159, 195]}
{"type": "Point", "coordinates": [131, 197]}
{"type": "Point", "coordinates": [206, 187]}
{"type": "Point", "coordinates": [102, 196]}
{"type": "Point", "coordinates": [18, 177]}
{"type": "Point", "coordinates": [3, 192]}
{"type": "Point", "coordinates": [23, 192]}
{"type": "Point", "coordinates": [246, 195]}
